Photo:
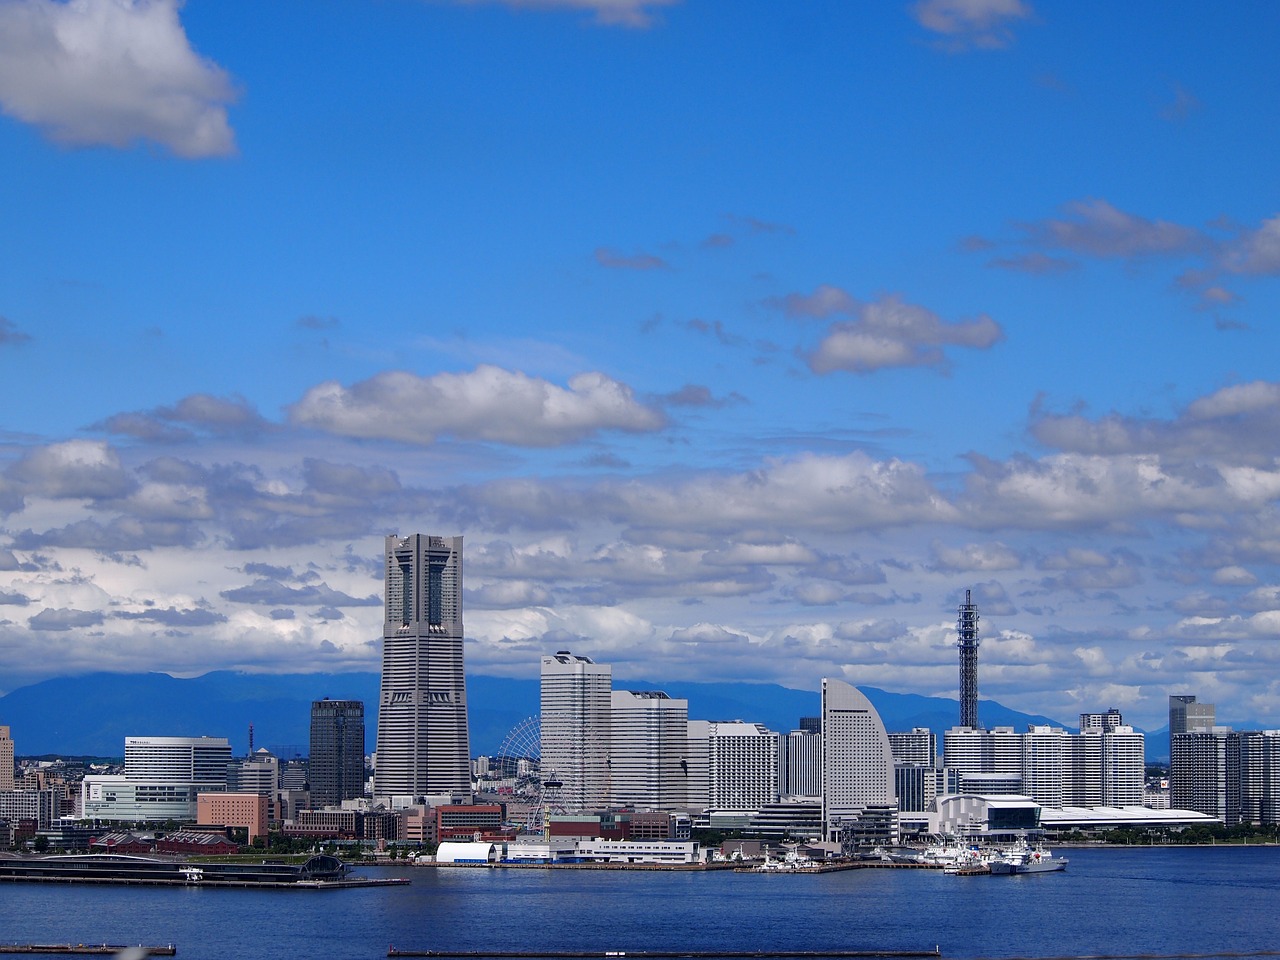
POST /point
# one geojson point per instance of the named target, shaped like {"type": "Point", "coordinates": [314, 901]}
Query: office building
{"type": "Point", "coordinates": [857, 762]}
{"type": "Point", "coordinates": [648, 750]}
{"type": "Point", "coordinates": [259, 773]}
{"type": "Point", "coordinates": [1187, 716]}
{"type": "Point", "coordinates": [422, 743]}
{"type": "Point", "coordinates": [6, 759]}
{"type": "Point", "coordinates": [575, 729]}
{"type": "Point", "coordinates": [162, 778]}
{"type": "Point", "coordinates": [337, 751]}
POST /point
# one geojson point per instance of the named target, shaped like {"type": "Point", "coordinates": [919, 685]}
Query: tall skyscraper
{"type": "Point", "coordinates": [575, 728]}
{"type": "Point", "coordinates": [422, 711]}
{"type": "Point", "coordinates": [648, 750]}
{"type": "Point", "coordinates": [857, 761]}
{"type": "Point", "coordinates": [733, 765]}
{"type": "Point", "coordinates": [967, 629]}
{"type": "Point", "coordinates": [337, 751]}
{"type": "Point", "coordinates": [6, 760]}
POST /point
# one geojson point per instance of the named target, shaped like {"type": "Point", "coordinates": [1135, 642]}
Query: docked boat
{"type": "Point", "coordinates": [1024, 859]}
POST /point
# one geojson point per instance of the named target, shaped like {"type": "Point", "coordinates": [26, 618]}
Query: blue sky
{"type": "Point", "coordinates": [738, 339]}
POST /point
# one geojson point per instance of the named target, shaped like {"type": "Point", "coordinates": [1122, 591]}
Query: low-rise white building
{"type": "Point", "coordinates": [639, 851]}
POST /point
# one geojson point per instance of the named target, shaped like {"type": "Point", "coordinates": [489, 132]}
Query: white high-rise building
{"type": "Point", "coordinates": [422, 744]}
{"type": "Point", "coordinates": [648, 750]}
{"type": "Point", "coordinates": [1046, 753]}
{"type": "Point", "coordinates": [738, 762]}
{"type": "Point", "coordinates": [857, 762]}
{"type": "Point", "coordinates": [161, 780]}
{"type": "Point", "coordinates": [1124, 767]}
{"type": "Point", "coordinates": [918, 746]}
{"type": "Point", "coordinates": [1104, 765]}
{"type": "Point", "coordinates": [575, 722]}
{"type": "Point", "coordinates": [803, 764]}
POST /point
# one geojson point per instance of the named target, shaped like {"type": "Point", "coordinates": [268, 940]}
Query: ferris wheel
{"type": "Point", "coordinates": [521, 760]}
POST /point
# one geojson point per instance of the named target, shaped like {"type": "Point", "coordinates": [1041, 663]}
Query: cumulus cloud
{"type": "Point", "coordinates": [74, 469]}
{"type": "Point", "coordinates": [111, 72]}
{"type": "Point", "coordinates": [696, 395]}
{"type": "Point", "coordinates": [824, 302]}
{"type": "Point", "coordinates": [977, 24]}
{"type": "Point", "coordinates": [1255, 251]}
{"type": "Point", "coordinates": [217, 416]}
{"type": "Point", "coordinates": [173, 617]}
{"type": "Point", "coordinates": [975, 557]}
{"type": "Point", "coordinates": [488, 403]}
{"type": "Point", "coordinates": [1236, 424]}
{"type": "Point", "coordinates": [62, 620]}
{"type": "Point", "coordinates": [892, 333]}
{"type": "Point", "coordinates": [274, 593]}
{"type": "Point", "coordinates": [1097, 228]}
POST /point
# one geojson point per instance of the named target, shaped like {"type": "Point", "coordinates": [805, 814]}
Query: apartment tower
{"type": "Point", "coordinates": [422, 711]}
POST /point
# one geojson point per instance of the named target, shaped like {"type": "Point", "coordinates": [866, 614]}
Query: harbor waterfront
{"type": "Point", "coordinates": [1112, 901]}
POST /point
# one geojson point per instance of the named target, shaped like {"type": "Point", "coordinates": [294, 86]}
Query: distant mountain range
{"type": "Point", "coordinates": [92, 714]}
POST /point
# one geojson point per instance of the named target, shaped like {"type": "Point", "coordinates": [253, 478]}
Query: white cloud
{"type": "Point", "coordinates": [488, 403]}
{"type": "Point", "coordinates": [74, 469]}
{"type": "Point", "coordinates": [110, 72]}
{"type": "Point", "coordinates": [1097, 228]}
{"type": "Point", "coordinates": [982, 24]}
{"type": "Point", "coordinates": [891, 333]}
{"type": "Point", "coordinates": [1256, 251]}
{"type": "Point", "coordinates": [979, 557]}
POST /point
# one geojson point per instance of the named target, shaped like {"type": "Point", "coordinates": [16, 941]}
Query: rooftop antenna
{"type": "Point", "coordinates": [251, 740]}
{"type": "Point", "coordinates": [967, 628]}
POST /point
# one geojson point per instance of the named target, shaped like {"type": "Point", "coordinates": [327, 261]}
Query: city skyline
{"type": "Point", "coordinates": [738, 341]}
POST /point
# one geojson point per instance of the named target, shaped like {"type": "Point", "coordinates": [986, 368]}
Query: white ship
{"type": "Point", "coordinates": [1025, 859]}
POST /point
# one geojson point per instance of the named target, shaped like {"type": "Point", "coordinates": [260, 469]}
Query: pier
{"type": "Point", "coordinates": [85, 949]}
{"type": "Point", "coordinates": [659, 954]}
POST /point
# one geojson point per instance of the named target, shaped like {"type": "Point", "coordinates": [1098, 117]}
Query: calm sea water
{"type": "Point", "coordinates": [1138, 901]}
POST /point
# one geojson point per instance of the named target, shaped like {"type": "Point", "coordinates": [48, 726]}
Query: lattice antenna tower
{"type": "Point", "coordinates": [967, 628]}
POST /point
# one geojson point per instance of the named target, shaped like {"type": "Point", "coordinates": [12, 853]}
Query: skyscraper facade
{"type": "Point", "coordinates": [6, 759]}
{"type": "Point", "coordinates": [574, 728]}
{"type": "Point", "coordinates": [733, 765]}
{"type": "Point", "coordinates": [857, 761]}
{"type": "Point", "coordinates": [422, 743]}
{"type": "Point", "coordinates": [648, 750]}
{"type": "Point", "coordinates": [337, 751]}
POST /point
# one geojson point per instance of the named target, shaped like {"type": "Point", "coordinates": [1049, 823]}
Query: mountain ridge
{"type": "Point", "coordinates": [91, 714]}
